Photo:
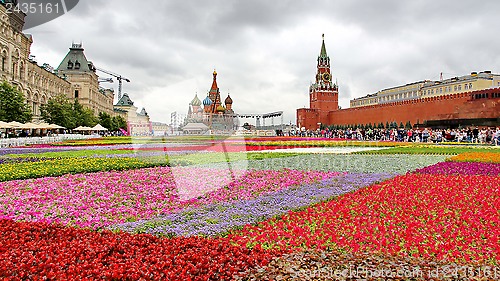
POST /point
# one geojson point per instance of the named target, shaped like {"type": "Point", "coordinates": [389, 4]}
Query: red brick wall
{"type": "Point", "coordinates": [458, 106]}
{"type": "Point", "coordinates": [308, 118]}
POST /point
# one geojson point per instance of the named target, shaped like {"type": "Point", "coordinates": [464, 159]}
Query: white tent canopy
{"type": "Point", "coordinates": [82, 128]}
{"type": "Point", "coordinates": [54, 126]}
{"type": "Point", "coordinates": [99, 127]}
{"type": "Point", "coordinates": [28, 125]}
{"type": "Point", "coordinates": [15, 124]}
{"type": "Point", "coordinates": [5, 125]}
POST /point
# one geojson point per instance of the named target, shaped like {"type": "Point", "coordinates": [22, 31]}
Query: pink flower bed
{"type": "Point", "coordinates": [101, 199]}
{"type": "Point", "coordinates": [462, 168]}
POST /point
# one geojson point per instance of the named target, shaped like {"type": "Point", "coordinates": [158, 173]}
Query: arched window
{"type": "Point", "coordinates": [70, 64]}
{"type": "Point", "coordinates": [4, 60]}
{"type": "Point", "coordinates": [21, 71]}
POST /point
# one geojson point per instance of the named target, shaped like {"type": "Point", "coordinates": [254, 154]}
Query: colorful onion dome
{"type": "Point", "coordinates": [196, 101]}
{"type": "Point", "coordinates": [228, 100]}
{"type": "Point", "coordinates": [220, 108]}
{"type": "Point", "coordinates": [207, 101]}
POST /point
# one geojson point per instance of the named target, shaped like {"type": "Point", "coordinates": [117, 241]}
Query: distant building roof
{"type": "Point", "coordinates": [143, 112]}
{"type": "Point", "coordinates": [195, 127]}
{"type": "Point", "coordinates": [125, 100]}
{"type": "Point", "coordinates": [75, 61]}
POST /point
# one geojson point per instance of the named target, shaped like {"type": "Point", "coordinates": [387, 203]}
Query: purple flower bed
{"type": "Point", "coordinates": [24, 159]}
{"type": "Point", "coordinates": [151, 153]}
{"type": "Point", "coordinates": [24, 150]}
{"type": "Point", "coordinates": [462, 168]}
{"type": "Point", "coordinates": [216, 219]}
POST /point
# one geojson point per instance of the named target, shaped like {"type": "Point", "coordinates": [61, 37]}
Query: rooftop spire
{"type": "Point", "coordinates": [214, 88]}
{"type": "Point", "coordinates": [323, 48]}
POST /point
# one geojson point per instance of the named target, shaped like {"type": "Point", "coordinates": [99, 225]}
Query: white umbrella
{"type": "Point", "coordinates": [55, 126]}
{"type": "Point", "coordinates": [15, 124]}
{"type": "Point", "coordinates": [5, 125]}
{"type": "Point", "coordinates": [43, 125]}
{"type": "Point", "coordinates": [82, 128]}
{"type": "Point", "coordinates": [99, 127]}
{"type": "Point", "coordinates": [30, 125]}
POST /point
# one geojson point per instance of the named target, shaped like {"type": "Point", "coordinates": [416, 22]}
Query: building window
{"type": "Point", "coordinates": [440, 90]}
{"type": "Point", "coordinates": [455, 88]}
{"type": "Point", "coordinates": [76, 94]}
{"type": "Point", "coordinates": [470, 85]}
{"type": "Point", "coordinates": [3, 64]}
{"type": "Point", "coordinates": [466, 87]}
{"type": "Point", "coordinates": [459, 87]}
{"type": "Point", "coordinates": [77, 65]}
{"type": "Point", "coordinates": [70, 64]}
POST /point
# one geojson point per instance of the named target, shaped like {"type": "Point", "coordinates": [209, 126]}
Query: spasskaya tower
{"type": "Point", "coordinates": [323, 95]}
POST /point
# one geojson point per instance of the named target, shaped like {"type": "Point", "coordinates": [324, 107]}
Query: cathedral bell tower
{"type": "Point", "coordinates": [323, 95]}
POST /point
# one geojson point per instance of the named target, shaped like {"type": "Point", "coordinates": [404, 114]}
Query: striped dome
{"type": "Point", "coordinates": [196, 101]}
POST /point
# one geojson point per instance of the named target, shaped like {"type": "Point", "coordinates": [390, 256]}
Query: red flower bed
{"type": "Point", "coordinates": [441, 217]}
{"type": "Point", "coordinates": [38, 251]}
{"type": "Point", "coordinates": [215, 148]}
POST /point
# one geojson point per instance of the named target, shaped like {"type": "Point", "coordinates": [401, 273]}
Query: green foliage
{"type": "Point", "coordinates": [61, 111]}
{"type": "Point", "coordinates": [105, 120]}
{"type": "Point", "coordinates": [12, 105]}
{"type": "Point", "coordinates": [117, 123]}
{"type": "Point", "coordinates": [83, 116]}
{"type": "Point", "coordinates": [218, 157]}
{"type": "Point", "coordinates": [58, 110]}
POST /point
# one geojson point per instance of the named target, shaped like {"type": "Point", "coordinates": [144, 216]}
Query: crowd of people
{"type": "Point", "coordinates": [483, 135]}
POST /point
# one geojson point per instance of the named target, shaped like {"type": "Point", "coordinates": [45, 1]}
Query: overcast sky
{"type": "Point", "coordinates": [265, 51]}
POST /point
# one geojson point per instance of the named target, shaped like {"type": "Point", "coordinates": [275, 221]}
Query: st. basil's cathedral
{"type": "Point", "coordinates": [211, 111]}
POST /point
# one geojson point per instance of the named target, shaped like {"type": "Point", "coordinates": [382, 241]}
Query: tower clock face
{"type": "Point", "coordinates": [326, 77]}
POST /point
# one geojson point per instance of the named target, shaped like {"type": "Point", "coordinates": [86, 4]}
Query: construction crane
{"type": "Point", "coordinates": [109, 80]}
{"type": "Point", "coordinates": [118, 77]}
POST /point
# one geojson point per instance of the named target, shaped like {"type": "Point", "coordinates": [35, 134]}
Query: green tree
{"type": "Point", "coordinates": [118, 122]}
{"type": "Point", "coordinates": [58, 110]}
{"type": "Point", "coordinates": [83, 116]}
{"type": "Point", "coordinates": [408, 125]}
{"type": "Point", "coordinates": [105, 120]}
{"type": "Point", "coordinates": [12, 105]}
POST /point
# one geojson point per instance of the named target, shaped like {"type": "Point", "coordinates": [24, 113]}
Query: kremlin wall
{"type": "Point", "coordinates": [460, 101]}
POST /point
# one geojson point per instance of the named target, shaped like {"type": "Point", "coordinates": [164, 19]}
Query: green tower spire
{"type": "Point", "coordinates": [323, 48]}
